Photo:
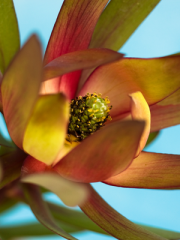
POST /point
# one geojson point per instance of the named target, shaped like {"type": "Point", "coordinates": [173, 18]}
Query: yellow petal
{"type": "Point", "coordinates": [46, 129]}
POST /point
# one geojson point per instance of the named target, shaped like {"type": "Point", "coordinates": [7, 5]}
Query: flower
{"type": "Point", "coordinates": [37, 124]}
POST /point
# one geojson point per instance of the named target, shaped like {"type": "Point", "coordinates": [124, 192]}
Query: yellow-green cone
{"type": "Point", "coordinates": [87, 115]}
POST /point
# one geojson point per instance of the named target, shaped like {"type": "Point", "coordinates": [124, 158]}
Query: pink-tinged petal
{"type": "Point", "coordinates": [32, 165]}
{"type": "Point", "coordinates": [118, 21]}
{"type": "Point", "coordinates": [74, 27]}
{"type": "Point", "coordinates": [20, 87]}
{"type": "Point", "coordinates": [150, 170]}
{"type": "Point", "coordinates": [71, 62]}
{"type": "Point", "coordinates": [164, 116]}
{"type": "Point", "coordinates": [72, 31]}
{"type": "Point", "coordinates": [11, 165]}
{"type": "Point", "coordinates": [118, 80]}
{"type": "Point", "coordinates": [107, 152]}
{"type": "Point", "coordinates": [71, 193]}
{"type": "Point", "coordinates": [113, 222]}
{"type": "Point", "coordinates": [166, 113]}
{"type": "Point", "coordinates": [41, 210]}
{"type": "Point", "coordinates": [46, 130]}
{"type": "Point", "coordinates": [140, 111]}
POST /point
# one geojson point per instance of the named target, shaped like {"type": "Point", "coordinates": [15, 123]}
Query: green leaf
{"type": "Point", "coordinates": [152, 137]}
{"type": "Point", "coordinates": [79, 219]}
{"type": "Point", "coordinates": [5, 150]}
{"type": "Point", "coordinates": [32, 229]}
{"type": "Point", "coordinates": [162, 232]}
{"type": "Point", "coordinates": [9, 33]}
{"type": "Point", "coordinates": [5, 142]}
{"type": "Point", "coordinates": [6, 204]}
{"type": "Point", "coordinates": [118, 21]}
{"type": "Point", "coordinates": [74, 217]}
{"type": "Point", "coordinates": [41, 211]}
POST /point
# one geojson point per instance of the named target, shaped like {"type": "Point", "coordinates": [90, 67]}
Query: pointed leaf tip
{"type": "Point", "coordinates": [9, 32]}
{"type": "Point", "coordinates": [118, 21]}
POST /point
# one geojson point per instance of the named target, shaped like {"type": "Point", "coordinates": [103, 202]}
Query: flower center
{"type": "Point", "coordinates": [87, 115]}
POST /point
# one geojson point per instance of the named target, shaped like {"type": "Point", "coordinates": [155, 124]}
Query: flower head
{"type": "Point", "coordinates": [54, 111]}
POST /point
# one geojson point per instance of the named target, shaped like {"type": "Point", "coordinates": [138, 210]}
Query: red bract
{"type": "Point", "coordinates": [37, 123]}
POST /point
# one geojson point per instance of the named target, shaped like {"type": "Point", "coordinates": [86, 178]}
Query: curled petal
{"type": "Point", "coordinates": [140, 111]}
{"type": "Point", "coordinates": [72, 194]}
{"type": "Point", "coordinates": [20, 88]}
{"type": "Point", "coordinates": [150, 170]}
{"type": "Point", "coordinates": [69, 64]}
{"type": "Point", "coordinates": [78, 60]}
{"type": "Point", "coordinates": [107, 152]}
{"type": "Point", "coordinates": [121, 78]}
{"type": "Point", "coordinates": [45, 133]}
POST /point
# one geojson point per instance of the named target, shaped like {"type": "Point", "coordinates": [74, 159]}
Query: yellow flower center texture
{"type": "Point", "coordinates": [87, 115]}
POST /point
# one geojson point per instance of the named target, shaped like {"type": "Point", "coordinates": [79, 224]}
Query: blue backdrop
{"type": "Point", "coordinates": [158, 35]}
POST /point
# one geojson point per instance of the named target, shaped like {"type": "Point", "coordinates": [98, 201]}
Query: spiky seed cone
{"type": "Point", "coordinates": [87, 115]}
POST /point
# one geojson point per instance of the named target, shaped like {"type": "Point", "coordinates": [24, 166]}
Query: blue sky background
{"type": "Point", "coordinates": [158, 35]}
